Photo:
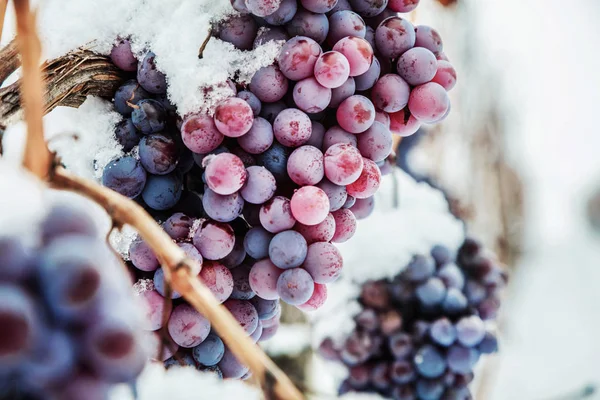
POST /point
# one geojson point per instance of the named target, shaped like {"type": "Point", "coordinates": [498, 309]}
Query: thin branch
{"type": "Point", "coordinates": [3, 4]}
{"type": "Point", "coordinates": [9, 60]}
{"type": "Point", "coordinates": [177, 271]}
{"type": "Point", "coordinates": [37, 157]}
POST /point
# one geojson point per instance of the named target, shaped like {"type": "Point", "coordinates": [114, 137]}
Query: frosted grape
{"type": "Point", "coordinates": [210, 351]}
{"type": "Point", "coordinates": [403, 6]}
{"type": "Point", "coordinates": [390, 93]}
{"type": "Point", "coordinates": [239, 6]}
{"type": "Point", "coordinates": [394, 36]}
{"type": "Point", "coordinates": [256, 243]}
{"type": "Point", "coordinates": [362, 208]}
{"type": "Point", "coordinates": [244, 312]}
{"type": "Point", "coordinates": [194, 255]}
{"type": "Point", "coordinates": [429, 102]}
{"type": "Point", "coordinates": [19, 324]}
{"type": "Point", "coordinates": [358, 52]}
{"type": "Point", "coordinates": [445, 75]}
{"type": "Point", "coordinates": [341, 93]}
{"type": "Point", "coordinates": [350, 201]}
{"type": "Point", "coordinates": [345, 23]}
{"type": "Point", "coordinates": [200, 134]}
{"type": "Point", "coordinates": [462, 359]}
{"type": "Point", "coordinates": [368, 79]}
{"type": "Point", "coordinates": [127, 134]}
{"type": "Point", "coordinates": [158, 153]}
{"type": "Point", "coordinates": [162, 191]}
{"type": "Point", "coordinates": [295, 286]}
{"type": "Point", "coordinates": [214, 240]}
{"type": "Point", "coordinates": [367, 183]}
{"type": "Point", "coordinates": [368, 8]}
{"type": "Point", "coordinates": [417, 66]}
{"type": "Point", "coordinates": [233, 117]}
{"type": "Point", "coordinates": [470, 331]}
{"type": "Point", "coordinates": [429, 362]}
{"type": "Point", "coordinates": [150, 77]}
{"type": "Point", "coordinates": [376, 142]}
{"type": "Point", "coordinates": [154, 309]}
{"type": "Point", "coordinates": [284, 13]}
{"type": "Point", "coordinates": [187, 327]}
{"type": "Point", "coordinates": [255, 336]}
{"type": "Point", "coordinates": [268, 332]}
{"type": "Point", "coordinates": [130, 92]}
{"type": "Point", "coordinates": [322, 232]}
{"type": "Point", "coordinates": [260, 185]}
{"type": "Point", "coordinates": [356, 114]}
{"type": "Point", "coordinates": [149, 116]}
{"type": "Point", "coordinates": [239, 30]}
{"type": "Point", "coordinates": [262, 8]}
{"type": "Point", "coordinates": [343, 164]}
{"type": "Point", "coordinates": [222, 208]}
{"type": "Point", "coordinates": [276, 215]}
{"type": "Point", "coordinates": [142, 256]}
{"type": "Point", "coordinates": [443, 332]}
{"type": "Point", "coordinates": [218, 279]}
{"type": "Point", "coordinates": [318, 298]}
{"type": "Point", "coordinates": [309, 205]}
{"type": "Point", "coordinates": [403, 123]}
{"type": "Point", "coordinates": [323, 262]}
{"type": "Point", "coordinates": [269, 84]}
{"type": "Point", "coordinates": [252, 101]}
{"type": "Point", "coordinates": [125, 176]}
{"type": "Point", "coordinates": [310, 96]}
{"type": "Point", "coordinates": [318, 6]}
{"type": "Point", "coordinates": [292, 127]}
{"type": "Point", "coordinates": [428, 38]}
{"type": "Point", "coordinates": [230, 366]}
{"type": "Point", "coordinates": [287, 249]}
{"type": "Point", "coordinates": [337, 194]}
{"type": "Point", "coordinates": [316, 135]}
{"type": "Point", "coordinates": [263, 279]}
{"type": "Point", "coordinates": [160, 284]}
{"type": "Point", "coordinates": [259, 138]}
{"type": "Point", "coordinates": [298, 57]}
{"type": "Point", "coordinates": [237, 254]}
{"type": "Point", "coordinates": [305, 165]}
{"type": "Point", "coordinates": [269, 34]}
{"type": "Point", "coordinates": [345, 225]}
{"type": "Point", "coordinates": [122, 56]}
{"type": "Point", "coordinates": [312, 25]}
{"type": "Point", "coordinates": [178, 226]}
{"type": "Point", "coordinates": [431, 292]}
{"type": "Point", "coordinates": [335, 135]}
{"type": "Point", "coordinates": [265, 308]}
{"type": "Point", "coordinates": [332, 69]}
{"type": "Point", "coordinates": [225, 173]}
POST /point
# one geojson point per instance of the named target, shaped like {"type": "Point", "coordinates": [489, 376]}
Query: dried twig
{"type": "Point", "coordinates": [9, 60]}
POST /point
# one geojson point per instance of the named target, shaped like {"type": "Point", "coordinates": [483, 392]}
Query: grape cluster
{"type": "Point", "coordinates": [420, 334]}
{"type": "Point", "coordinates": [68, 327]}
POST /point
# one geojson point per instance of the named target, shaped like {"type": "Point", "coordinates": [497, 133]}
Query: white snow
{"type": "Point", "coordinates": [291, 340]}
{"type": "Point", "coordinates": [184, 383]}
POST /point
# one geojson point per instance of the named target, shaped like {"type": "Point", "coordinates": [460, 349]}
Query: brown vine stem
{"type": "Point", "coordinates": [3, 4]}
{"type": "Point", "coordinates": [177, 268]}
{"type": "Point", "coordinates": [37, 157]}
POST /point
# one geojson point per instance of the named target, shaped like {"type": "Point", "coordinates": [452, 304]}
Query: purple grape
{"type": "Point", "coordinates": [402, 372]}
{"type": "Point", "coordinates": [53, 362]}
{"type": "Point", "coordinates": [316, 136]}
{"type": "Point", "coordinates": [263, 279]}
{"type": "Point", "coordinates": [430, 389]}
{"type": "Point", "coordinates": [350, 201]}
{"type": "Point", "coordinates": [150, 77]}
{"type": "Point", "coordinates": [394, 36]}
{"type": "Point", "coordinates": [187, 327]}
{"type": "Point", "coordinates": [368, 79]}
{"type": "Point", "coordinates": [269, 84]}
{"type": "Point", "coordinates": [335, 135]}
{"type": "Point", "coordinates": [16, 258]}
{"type": "Point", "coordinates": [18, 318]}
{"type": "Point", "coordinates": [127, 135]}
{"type": "Point", "coordinates": [159, 154]}
{"type": "Point", "coordinates": [375, 295]}
{"type": "Point", "coordinates": [178, 226]}
{"type": "Point", "coordinates": [84, 386]}
{"type": "Point", "coordinates": [305, 165]}
{"type": "Point", "coordinates": [222, 208]}
{"type": "Point", "coordinates": [441, 255]}
{"type": "Point", "coordinates": [265, 308]}
{"type": "Point", "coordinates": [443, 332]}
{"type": "Point", "coordinates": [489, 344]}
{"type": "Point", "coordinates": [310, 96]}
{"type": "Point", "coordinates": [200, 134]}
{"type": "Point", "coordinates": [292, 128]}
{"type": "Point", "coordinates": [319, 6]}
{"type": "Point", "coordinates": [130, 92]}
{"type": "Point", "coordinates": [370, 36]}
{"type": "Point", "coordinates": [295, 286]}
{"type": "Point", "coordinates": [323, 262]}
{"type": "Point", "coordinates": [428, 38]}
{"type": "Point", "coordinates": [284, 13]}
{"type": "Point", "coordinates": [244, 312]}
{"type": "Point", "coordinates": [269, 34]}
{"type": "Point", "coordinates": [452, 276]}
{"type": "Point", "coordinates": [256, 335]}
{"type": "Point", "coordinates": [214, 240]}
{"type": "Point", "coordinates": [390, 93]}
{"type": "Point", "coordinates": [239, 30]}
{"type": "Point", "coordinates": [270, 110]}
{"type": "Point", "coordinates": [369, 8]}
{"type": "Point", "coordinates": [401, 345]}
{"type": "Point", "coordinates": [230, 366]}
{"type": "Point", "coordinates": [256, 243]}
{"type": "Point", "coordinates": [125, 176]}
{"type": "Point", "coordinates": [162, 191]}
{"type": "Point", "coordinates": [475, 292]}
{"type": "Point", "coordinates": [159, 284]}
{"type": "Point", "coordinates": [431, 292]}
{"type": "Point", "coordinates": [356, 114]}
{"type": "Point", "coordinates": [339, 94]}
{"type": "Point", "coordinates": [149, 116]}
{"type": "Point", "coordinates": [337, 194]}
{"type": "Point", "coordinates": [429, 362]}
{"type": "Point", "coordinates": [122, 56]}
{"type": "Point", "coordinates": [340, 5]}
{"type": "Point", "coordinates": [288, 250]}
{"type": "Point", "coordinates": [345, 23]}
{"type": "Point", "coordinates": [182, 360]}
{"type": "Point", "coordinates": [362, 208]}
{"type": "Point", "coordinates": [455, 301]}
{"type": "Point", "coordinates": [419, 269]}
{"type": "Point", "coordinates": [462, 359]}
{"type": "Point", "coordinates": [259, 138]}
{"type": "Point", "coordinates": [376, 142]}
{"type": "Point", "coordinates": [417, 66]}
{"type": "Point", "coordinates": [312, 25]}
{"type": "Point", "coordinates": [262, 8]}
{"type": "Point", "coordinates": [470, 331]}
{"type": "Point", "coordinates": [260, 185]}
{"type": "Point", "coordinates": [276, 215]}
{"type": "Point", "coordinates": [298, 57]}
{"type": "Point", "coordinates": [241, 284]}
{"type": "Point", "coordinates": [63, 218]}
{"type": "Point", "coordinates": [252, 101]}
{"type": "Point", "coordinates": [210, 351]}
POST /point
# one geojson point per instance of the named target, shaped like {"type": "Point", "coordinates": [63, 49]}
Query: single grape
{"type": "Point", "coordinates": [263, 279]}
{"type": "Point", "coordinates": [376, 142]}
{"type": "Point", "coordinates": [159, 154]}
{"type": "Point", "coordinates": [295, 286]}
{"type": "Point", "coordinates": [419, 269]}
{"type": "Point", "coordinates": [362, 208]}
{"type": "Point", "coordinates": [154, 308]}
{"type": "Point", "coordinates": [428, 38]}
{"type": "Point", "coordinates": [379, 376]}
{"type": "Point", "coordinates": [431, 292]}
{"type": "Point", "coordinates": [367, 183]}
{"type": "Point", "coordinates": [445, 75]}
{"type": "Point", "coordinates": [342, 92]}
{"type": "Point", "coordinates": [452, 276]}
{"type": "Point", "coordinates": [343, 164]}
{"type": "Point", "coordinates": [310, 96]}
{"type": "Point", "coordinates": [305, 165]}
{"type": "Point", "coordinates": [275, 160]}
{"type": "Point", "coordinates": [368, 79]}
{"type": "Point", "coordinates": [130, 92]}
{"type": "Point", "coordinates": [225, 173]}
{"type": "Point", "coordinates": [200, 134]}
{"type": "Point", "coordinates": [269, 84]}
{"type": "Point", "coordinates": [188, 327]}
{"type": "Point", "coordinates": [276, 215]}
{"type": "Point", "coordinates": [470, 331]}
{"type": "Point", "coordinates": [309, 205]}
{"type": "Point", "coordinates": [402, 372]}
{"type": "Point", "coordinates": [335, 135]}
{"type": "Point", "coordinates": [358, 52]}
{"type": "Point", "coordinates": [292, 127]}
{"type": "Point", "coordinates": [256, 243]}
{"type": "Point", "coordinates": [52, 362]}
{"type": "Point", "coordinates": [244, 312]}
{"type": "Point", "coordinates": [241, 284]}
{"type": "Point", "coordinates": [214, 240]}
{"type": "Point", "coordinates": [218, 280]}
{"type": "Point", "coordinates": [350, 201]}
{"type": "Point", "coordinates": [442, 332]}
{"type": "Point", "coordinates": [160, 284]}
{"type": "Point", "coordinates": [178, 226]}
{"type": "Point", "coordinates": [370, 37]}
{"type": "Point", "coordinates": [337, 195]}
{"type": "Point", "coordinates": [318, 6]}
{"type": "Point", "coordinates": [429, 362]}
{"type": "Point", "coordinates": [394, 36]}
{"type": "Point", "coordinates": [390, 93]}
{"type": "Point", "coordinates": [240, 6]}
{"type": "Point", "coordinates": [287, 249]}
{"type": "Point", "coordinates": [182, 360]}
{"type": "Point", "coordinates": [150, 77]}
{"type": "Point", "coordinates": [455, 301]}
{"type": "Point", "coordinates": [255, 336]}
{"type": "Point", "coordinates": [344, 23]}
{"type": "Point", "coordinates": [122, 56]}
{"type": "Point", "coordinates": [127, 134]}
{"type": "Point", "coordinates": [262, 8]}
{"type": "Point", "coordinates": [345, 225]}
{"type": "Point", "coordinates": [332, 69]}
{"type": "Point", "coordinates": [316, 301]}
{"type": "Point", "coordinates": [340, 5]}
{"type": "Point", "coordinates": [239, 30]}
{"type": "Point", "coordinates": [417, 66]}
{"type": "Point", "coordinates": [222, 208]}
{"type": "Point", "coordinates": [283, 14]}
{"type": "Point", "coordinates": [265, 308]}
{"type": "Point", "coordinates": [162, 191]}
{"type": "Point", "coordinates": [356, 114]}
{"type": "Point", "coordinates": [369, 8]}
{"type": "Point", "coordinates": [316, 136]}
{"type": "Point", "coordinates": [489, 344]}
{"type": "Point", "coordinates": [125, 176]}
{"type": "Point", "coordinates": [323, 262]}
{"type": "Point", "coordinates": [260, 185]}
{"type": "Point", "coordinates": [193, 255]}
{"type": "Point", "coordinates": [403, 6]}
{"type": "Point", "coordinates": [268, 34]}
{"type": "Point", "coordinates": [429, 102]}
{"type": "Point", "coordinates": [259, 138]}
{"type": "Point", "coordinates": [298, 57]}
{"type": "Point", "coordinates": [430, 389]}
{"type": "Point", "coordinates": [252, 101]}
{"type": "Point", "coordinates": [322, 232]}
{"type": "Point", "coordinates": [142, 256]}
{"type": "Point", "coordinates": [403, 123]}
{"type": "Point", "coordinates": [309, 24]}
{"type": "Point", "coordinates": [149, 116]}
{"type": "Point", "coordinates": [234, 117]}
{"type": "Point", "coordinates": [462, 359]}
{"type": "Point", "coordinates": [230, 366]}
{"type": "Point", "coordinates": [18, 318]}
{"type": "Point", "coordinates": [401, 345]}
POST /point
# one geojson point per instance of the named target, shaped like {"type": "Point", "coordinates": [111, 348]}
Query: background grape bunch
{"type": "Point", "coordinates": [70, 328]}
{"type": "Point", "coordinates": [421, 334]}
{"type": "Point", "coordinates": [260, 188]}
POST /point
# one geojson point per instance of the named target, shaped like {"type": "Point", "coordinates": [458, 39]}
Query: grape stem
{"type": "Point", "coordinates": [42, 163]}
